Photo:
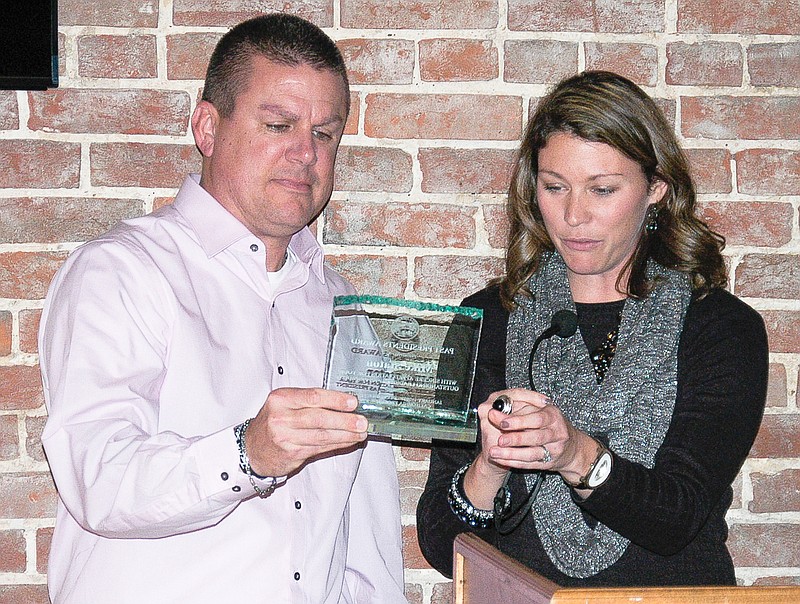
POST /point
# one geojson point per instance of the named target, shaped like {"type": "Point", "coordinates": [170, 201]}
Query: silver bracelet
{"type": "Point", "coordinates": [244, 463]}
{"type": "Point", "coordinates": [463, 509]}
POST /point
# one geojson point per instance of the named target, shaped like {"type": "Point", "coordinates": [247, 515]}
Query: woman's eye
{"type": "Point", "coordinates": [604, 190]}
{"type": "Point", "coordinates": [553, 188]}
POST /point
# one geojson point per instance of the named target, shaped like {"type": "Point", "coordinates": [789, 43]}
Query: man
{"type": "Point", "coordinates": [161, 338]}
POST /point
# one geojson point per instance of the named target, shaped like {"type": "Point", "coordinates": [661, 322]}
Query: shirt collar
{"type": "Point", "coordinates": [217, 229]}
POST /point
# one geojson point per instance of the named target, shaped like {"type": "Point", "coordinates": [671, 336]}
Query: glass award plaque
{"type": "Point", "coordinates": [411, 365]}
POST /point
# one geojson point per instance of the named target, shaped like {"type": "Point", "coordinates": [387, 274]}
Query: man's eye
{"type": "Point", "coordinates": [324, 136]}
{"type": "Point", "coordinates": [278, 127]}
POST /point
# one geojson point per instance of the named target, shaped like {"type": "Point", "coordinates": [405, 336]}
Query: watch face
{"type": "Point", "coordinates": [600, 471]}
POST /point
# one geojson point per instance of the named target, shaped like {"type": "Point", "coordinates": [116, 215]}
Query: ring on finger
{"type": "Point", "coordinates": [546, 458]}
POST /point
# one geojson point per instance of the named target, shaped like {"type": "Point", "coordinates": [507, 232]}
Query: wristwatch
{"type": "Point", "coordinates": [599, 471]}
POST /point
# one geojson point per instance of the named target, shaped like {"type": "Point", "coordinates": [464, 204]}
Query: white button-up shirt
{"type": "Point", "coordinates": [156, 339]}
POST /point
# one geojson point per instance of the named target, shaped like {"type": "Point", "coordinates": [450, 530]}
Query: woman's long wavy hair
{"type": "Point", "coordinates": [604, 107]}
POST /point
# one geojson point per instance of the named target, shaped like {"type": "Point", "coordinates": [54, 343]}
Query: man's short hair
{"type": "Point", "coordinates": [278, 37]}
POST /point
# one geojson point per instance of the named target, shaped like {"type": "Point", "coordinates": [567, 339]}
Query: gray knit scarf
{"type": "Point", "coordinates": [631, 410]}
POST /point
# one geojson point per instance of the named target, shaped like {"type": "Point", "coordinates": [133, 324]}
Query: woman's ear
{"type": "Point", "coordinates": [205, 120]}
{"type": "Point", "coordinates": [658, 191]}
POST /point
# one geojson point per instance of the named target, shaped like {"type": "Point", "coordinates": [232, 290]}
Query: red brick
{"type": "Point", "coordinates": [20, 388]}
{"type": "Point", "coordinates": [380, 169]}
{"type": "Point", "coordinates": [23, 167]}
{"type": "Point", "coordinates": [775, 492]}
{"type": "Point", "coordinates": [783, 328]}
{"type": "Point", "coordinates": [774, 64]}
{"type": "Point", "coordinates": [26, 275]}
{"type": "Point", "coordinates": [738, 17]}
{"type": "Point", "coordinates": [9, 110]}
{"type": "Point", "coordinates": [768, 276]}
{"type": "Point", "coordinates": [446, 170]}
{"type": "Point", "coordinates": [768, 171]}
{"type": "Point", "coordinates": [411, 484]}
{"type": "Point", "coordinates": [109, 13]}
{"type": "Point", "coordinates": [27, 495]}
{"type": "Point", "coordinates": [28, 330]}
{"type": "Point", "coordinates": [43, 538]}
{"type": "Point", "coordinates": [400, 224]}
{"type": "Point", "coordinates": [188, 54]}
{"type": "Point", "coordinates": [9, 438]}
{"type": "Point", "coordinates": [6, 321]}
{"type": "Point", "coordinates": [442, 593]}
{"type": "Point", "coordinates": [441, 116]}
{"type": "Point", "coordinates": [419, 14]}
{"type": "Point", "coordinates": [777, 581]}
{"type": "Point", "coordinates": [765, 545]}
{"type": "Point", "coordinates": [146, 165]}
{"type": "Point", "coordinates": [103, 111]}
{"type": "Point", "coordinates": [741, 117]}
{"type": "Point", "coordinates": [496, 219]}
{"type": "Point", "coordinates": [454, 277]}
{"type": "Point", "coordinates": [711, 170]}
{"type": "Point", "coordinates": [377, 275]}
{"type": "Point", "coordinates": [34, 425]}
{"type": "Point", "coordinates": [412, 555]}
{"type": "Point", "coordinates": [12, 551]}
{"type": "Point", "coordinates": [767, 224]}
{"type": "Point", "coordinates": [415, 452]}
{"type": "Point", "coordinates": [586, 15]}
{"type": "Point", "coordinates": [24, 594]}
{"type": "Point", "coordinates": [638, 62]}
{"type": "Point", "coordinates": [226, 14]}
{"type": "Point", "coordinates": [378, 61]}
{"type": "Point", "coordinates": [457, 60]}
{"type": "Point", "coordinates": [413, 593]}
{"type": "Point", "coordinates": [704, 64]}
{"type": "Point", "coordinates": [56, 219]}
{"type": "Point", "coordinates": [776, 387]}
{"type": "Point", "coordinates": [106, 56]}
{"type": "Point", "coordinates": [539, 61]}
{"type": "Point", "coordinates": [779, 436]}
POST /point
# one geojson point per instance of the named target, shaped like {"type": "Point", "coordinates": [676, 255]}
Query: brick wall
{"type": "Point", "coordinates": [441, 91]}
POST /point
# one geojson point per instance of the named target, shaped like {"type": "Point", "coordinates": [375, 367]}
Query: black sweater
{"type": "Point", "coordinates": [674, 513]}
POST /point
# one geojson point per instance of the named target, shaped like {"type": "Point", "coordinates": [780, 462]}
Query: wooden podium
{"type": "Point", "coordinates": [484, 575]}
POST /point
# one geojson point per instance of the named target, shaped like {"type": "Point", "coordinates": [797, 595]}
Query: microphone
{"type": "Point", "coordinates": [563, 324]}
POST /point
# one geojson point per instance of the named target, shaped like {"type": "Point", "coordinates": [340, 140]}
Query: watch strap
{"type": "Point", "coordinates": [583, 482]}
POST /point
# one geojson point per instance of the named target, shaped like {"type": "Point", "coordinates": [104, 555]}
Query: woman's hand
{"type": "Point", "coordinates": [536, 436]}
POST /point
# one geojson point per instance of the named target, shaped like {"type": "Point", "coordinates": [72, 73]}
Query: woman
{"type": "Point", "coordinates": [627, 435]}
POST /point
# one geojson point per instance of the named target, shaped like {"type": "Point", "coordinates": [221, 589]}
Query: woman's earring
{"type": "Point", "coordinates": [652, 219]}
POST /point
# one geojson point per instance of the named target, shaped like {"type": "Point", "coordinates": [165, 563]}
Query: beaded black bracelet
{"type": "Point", "coordinates": [244, 463]}
{"type": "Point", "coordinates": [463, 509]}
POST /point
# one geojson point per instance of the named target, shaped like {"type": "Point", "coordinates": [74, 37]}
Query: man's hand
{"type": "Point", "coordinates": [296, 424]}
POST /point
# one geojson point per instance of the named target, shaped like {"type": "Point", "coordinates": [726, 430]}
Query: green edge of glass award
{"type": "Point", "coordinates": [411, 365]}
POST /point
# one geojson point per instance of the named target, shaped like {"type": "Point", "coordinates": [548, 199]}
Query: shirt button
{"type": "Point", "coordinates": [280, 370]}
{"type": "Point", "coordinates": [224, 476]}
{"type": "Point", "coordinates": [236, 488]}
{"type": "Point", "coordinates": [297, 576]}
{"type": "Point", "coordinates": [253, 247]}
{"type": "Point", "coordinates": [297, 505]}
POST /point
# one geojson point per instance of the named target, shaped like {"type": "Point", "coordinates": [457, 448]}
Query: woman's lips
{"type": "Point", "coordinates": [581, 245]}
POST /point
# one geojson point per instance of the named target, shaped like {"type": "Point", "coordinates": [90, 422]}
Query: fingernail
{"type": "Point", "coordinates": [362, 424]}
{"type": "Point", "coordinates": [504, 425]}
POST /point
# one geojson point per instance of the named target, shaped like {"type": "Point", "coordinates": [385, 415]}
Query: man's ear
{"type": "Point", "coordinates": [205, 120]}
